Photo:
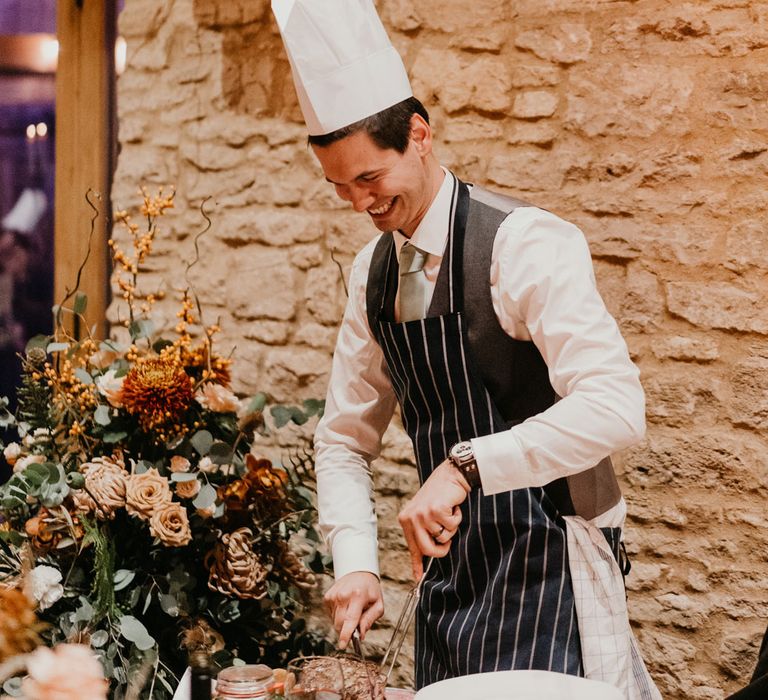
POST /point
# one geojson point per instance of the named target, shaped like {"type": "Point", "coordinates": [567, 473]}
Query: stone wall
{"type": "Point", "coordinates": [642, 121]}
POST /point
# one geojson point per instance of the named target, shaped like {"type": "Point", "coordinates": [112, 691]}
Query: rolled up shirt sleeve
{"type": "Point", "coordinates": [359, 405]}
{"type": "Point", "coordinates": [543, 289]}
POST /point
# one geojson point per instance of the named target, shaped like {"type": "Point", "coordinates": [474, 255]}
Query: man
{"type": "Point", "coordinates": [479, 315]}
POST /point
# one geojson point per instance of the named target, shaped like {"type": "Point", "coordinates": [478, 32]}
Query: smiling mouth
{"type": "Point", "coordinates": [383, 209]}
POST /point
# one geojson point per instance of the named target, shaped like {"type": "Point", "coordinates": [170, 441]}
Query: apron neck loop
{"type": "Point", "coordinates": [455, 248]}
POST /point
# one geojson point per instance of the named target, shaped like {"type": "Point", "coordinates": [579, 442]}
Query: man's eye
{"type": "Point", "coordinates": [369, 178]}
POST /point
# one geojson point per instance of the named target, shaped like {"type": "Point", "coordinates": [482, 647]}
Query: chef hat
{"type": "Point", "coordinates": [344, 66]}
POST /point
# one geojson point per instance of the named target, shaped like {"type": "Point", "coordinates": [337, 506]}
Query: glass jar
{"type": "Point", "coordinates": [244, 682]}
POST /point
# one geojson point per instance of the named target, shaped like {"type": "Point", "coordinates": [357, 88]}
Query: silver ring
{"type": "Point", "coordinates": [440, 532]}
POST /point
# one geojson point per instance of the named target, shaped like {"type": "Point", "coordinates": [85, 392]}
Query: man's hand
{"type": "Point", "coordinates": [431, 518]}
{"type": "Point", "coordinates": [354, 602]}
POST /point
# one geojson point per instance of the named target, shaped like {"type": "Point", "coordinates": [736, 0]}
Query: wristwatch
{"type": "Point", "coordinates": [463, 458]}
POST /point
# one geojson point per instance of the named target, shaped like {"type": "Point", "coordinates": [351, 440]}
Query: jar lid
{"type": "Point", "coordinates": [246, 681]}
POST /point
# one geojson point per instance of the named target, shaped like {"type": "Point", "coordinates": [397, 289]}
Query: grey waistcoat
{"type": "Point", "coordinates": [513, 371]}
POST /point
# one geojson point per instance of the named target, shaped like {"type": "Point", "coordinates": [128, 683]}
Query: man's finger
{"type": "Point", "coordinates": [350, 623]}
{"type": "Point", "coordinates": [371, 614]}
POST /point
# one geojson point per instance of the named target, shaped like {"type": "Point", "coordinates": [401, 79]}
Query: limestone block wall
{"type": "Point", "coordinates": [643, 121]}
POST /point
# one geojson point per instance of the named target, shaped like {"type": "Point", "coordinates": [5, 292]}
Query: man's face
{"type": "Point", "coordinates": [393, 188]}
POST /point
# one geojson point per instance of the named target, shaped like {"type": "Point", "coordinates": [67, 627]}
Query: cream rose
{"type": "Point", "coordinates": [180, 464]}
{"type": "Point", "coordinates": [11, 452]}
{"type": "Point", "coordinates": [43, 585]}
{"type": "Point", "coordinates": [106, 484]}
{"type": "Point", "coordinates": [188, 489]}
{"type": "Point", "coordinates": [24, 462]}
{"type": "Point", "coordinates": [145, 493]}
{"type": "Point", "coordinates": [169, 523]}
{"type": "Point", "coordinates": [207, 465]}
{"type": "Point", "coordinates": [216, 397]}
{"type": "Point", "coordinates": [68, 672]}
{"type": "Point", "coordinates": [111, 387]}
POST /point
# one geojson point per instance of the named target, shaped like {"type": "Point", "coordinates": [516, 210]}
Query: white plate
{"type": "Point", "coordinates": [519, 685]}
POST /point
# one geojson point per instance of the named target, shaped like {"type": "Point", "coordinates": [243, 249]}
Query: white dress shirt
{"type": "Point", "coordinates": [543, 289]}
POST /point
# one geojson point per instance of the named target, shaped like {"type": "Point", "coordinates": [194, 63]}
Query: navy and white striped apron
{"type": "Point", "coordinates": [502, 598]}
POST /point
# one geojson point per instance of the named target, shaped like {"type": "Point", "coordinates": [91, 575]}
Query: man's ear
{"type": "Point", "coordinates": [421, 135]}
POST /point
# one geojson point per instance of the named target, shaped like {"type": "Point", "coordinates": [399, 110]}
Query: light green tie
{"type": "Point", "coordinates": [413, 283]}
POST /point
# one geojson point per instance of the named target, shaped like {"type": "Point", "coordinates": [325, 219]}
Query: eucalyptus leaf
{"type": "Point", "coordinates": [83, 376]}
{"type": "Point", "coordinates": [13, 687]}
{"type": "Point", "coordinates": [281, 415]}
{"type": "Point", "coordinates": [298, 416]}
{"type": "Point", "coordinates": [143, 328]}
{"type": "Point", "coordinates": [169, 604]}
{"type": "Point", "coordinates": [7, 418]}
{"type": "Point", "coordinates": [220, 452]}
{"type": "Point", "coordinates": [101, 415]}
{"type": "Point", "coordinates": [37, 341]}
{"type": "Point", "coordinates": [206, 498]}
{"type": "Point", "coordinates": [123, 578]}
{"type": "Point", "coordinates": [147, 602]}
{"type": "Point", "coordinates": [160, 344]}
{"type": "Point", "coordinates": [202, 441]}
{"type": "Point", "coordinates": [314, 407]}
{"type": "Point", "coordinates": [56, 347]}
{"type": "Point", "coordinates": [52, 495]}
{"type": "Point", "coordinates": [115, 436]}
{"type": "Point", "coordinates": [99, 638]}
{"type": "Point", "coordinates": [84, 613]}
{"type": "Point", "coordinates": [143, 465]}
{"type": "Point", "coordinates": [134, 631]}
{"type": "Point", "coordinates": [81, 303]}
{"type": "Point", "coordinates": [257, 403]}
{"type": "Point", "coordinates": [183, 476]}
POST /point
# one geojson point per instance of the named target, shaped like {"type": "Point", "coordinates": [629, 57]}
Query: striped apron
{"type": "Point", "coordinates": [502, 598]}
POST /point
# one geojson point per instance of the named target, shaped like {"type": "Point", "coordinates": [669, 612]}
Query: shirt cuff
{"type": "Point", "coordinates": [354, 552]}
{"type": "Point", "coordinates": [501, 463]}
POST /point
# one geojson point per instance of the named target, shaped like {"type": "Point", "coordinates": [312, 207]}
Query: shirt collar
{"type": "Point", "coordinates": [432, 232]}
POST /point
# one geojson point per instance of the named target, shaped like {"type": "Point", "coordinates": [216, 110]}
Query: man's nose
{"type": "Point", "coordinates": [361, 198]}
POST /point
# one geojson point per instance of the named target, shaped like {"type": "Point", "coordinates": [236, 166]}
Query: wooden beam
{"type": "Point", "coordinates": [84, 129]}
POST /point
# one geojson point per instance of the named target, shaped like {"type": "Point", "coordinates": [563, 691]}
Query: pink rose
{"type": "Point", "coordinates": [68, 672]}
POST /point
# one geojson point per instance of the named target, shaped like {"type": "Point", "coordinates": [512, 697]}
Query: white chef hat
{"type": "Point", "coordinates": [343, 63]}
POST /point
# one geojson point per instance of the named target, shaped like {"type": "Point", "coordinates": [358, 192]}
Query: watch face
{"type": "Point", "coordinates": [461, 449]}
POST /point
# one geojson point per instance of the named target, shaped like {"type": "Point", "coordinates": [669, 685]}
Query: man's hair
{"type": "Point", "coordinates": [390, 128]}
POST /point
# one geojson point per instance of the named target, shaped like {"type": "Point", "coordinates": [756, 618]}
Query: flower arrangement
{"type": "Point", "coordinates": [48, 671]}
{"type": "Point", "coordinates": [140, 518]}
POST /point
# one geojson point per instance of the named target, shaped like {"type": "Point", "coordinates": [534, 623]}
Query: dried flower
{"type": "Point", "coordinates": [170, 525]}
{"type": "Point", "coordinates": [11, 452]}
{"type": "Point", "coordinates": [234, 568]}
{"type": "Point", "coordinates": [180, 464]}
{"type": "Point", "coordinates": [216, 397]}
{"type": "Point", "coordinates": [146, 492]}
{"type": "Point", "coordinates": [158, 391]}
{"type": "Point", "coordinates": [199, 635]}
{"type": "Point", "coordinates": [188, 489]}
{"type": "Point", "coordinates": [18, 623]}
{"type": "Point", "coordinates": [68, 672]}
{"type": "Point", "coordinates": [111, 387]}
{"type": "Point", "coordinates": [43, 585]}
{"type": "Point", "coordinates": [105, 482]}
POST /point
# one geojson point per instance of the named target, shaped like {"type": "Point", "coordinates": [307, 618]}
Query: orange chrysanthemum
{"type": "Point", "coordinates": [159, 391]}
